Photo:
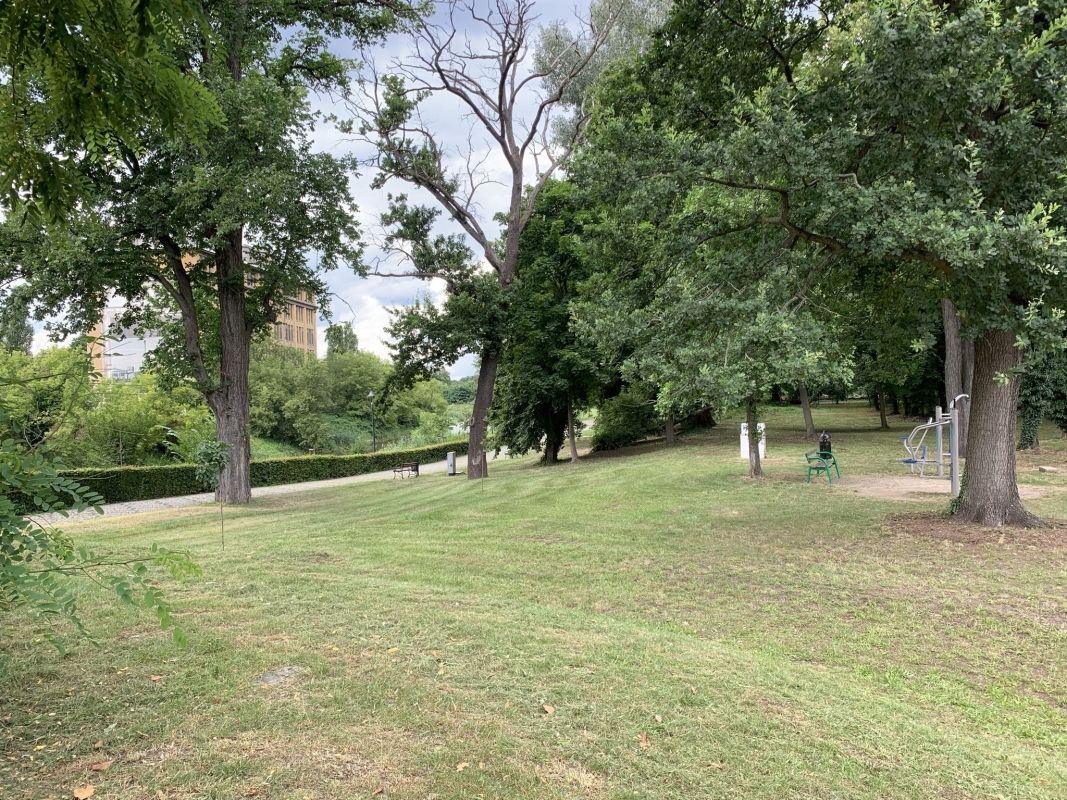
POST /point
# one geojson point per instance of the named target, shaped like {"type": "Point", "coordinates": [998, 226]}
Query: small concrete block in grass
{"type": "Point", "coordinates": [1047, 469]}
{"type": "Point", "coordinates": [279, 676]}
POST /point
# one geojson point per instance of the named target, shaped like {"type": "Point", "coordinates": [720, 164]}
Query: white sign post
{"type": "Point", "coordinates": [761, 432]}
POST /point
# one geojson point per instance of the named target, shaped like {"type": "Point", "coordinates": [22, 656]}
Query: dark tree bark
{"type": "Point", "coordinates": [805, 404]}
{"type": "Point", "coordinates": [703, 418]}
{"type": "Point", "coordinates": [881, 410]}
{"type": "Point", "coordinates": [668, 431]}
{"type": "Point", "coordinates": [554, 423]}
{"type": "Point", "coordinates": [551, 455]}
{"type": "Point", "coordinates": [968, 387]}
{"type": "Point", "coordinates": [231, 404]}
{"type": "Point", "coordinates": [959, 367]}
{"type": "Point", "coordinates": [477, 467]}
{"type": "Point", "coordinates": [990, 494]}
{"type": "Point", "coordinates": [755, 468]}
{"type": "Point", "coordinates": [572, 439]}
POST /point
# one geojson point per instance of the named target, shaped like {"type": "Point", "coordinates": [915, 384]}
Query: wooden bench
{"type": "Point", "coordinates": [820, 461]}
{"type": "Point", "coordinates": [405, 470]}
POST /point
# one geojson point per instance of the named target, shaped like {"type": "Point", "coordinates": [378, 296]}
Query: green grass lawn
{"type": "Point", "coordinates": [269, 448]}
{"type": "Point", "coordinates": [694, 634]}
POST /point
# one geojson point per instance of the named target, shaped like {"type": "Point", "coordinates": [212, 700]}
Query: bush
{"type": "Point", "coordinates": [121, 484]}
{"type": "Point", "coordinates": [624, 420]}
{"type": "Point", "coordinates": [273, 471]}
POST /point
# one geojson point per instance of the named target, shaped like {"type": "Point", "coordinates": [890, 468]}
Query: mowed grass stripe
{"type": "Point", "coordinates": [781, 640]}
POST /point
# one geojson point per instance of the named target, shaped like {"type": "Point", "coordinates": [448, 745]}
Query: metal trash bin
{"type": "Point", "coordinates": [825, 445]}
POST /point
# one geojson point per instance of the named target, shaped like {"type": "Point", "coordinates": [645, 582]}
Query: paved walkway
{"type": "Point", "coordinates": [160, 503]}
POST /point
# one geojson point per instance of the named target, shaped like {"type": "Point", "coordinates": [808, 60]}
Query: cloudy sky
{"type": "Point", "coordinates": [365, 301]}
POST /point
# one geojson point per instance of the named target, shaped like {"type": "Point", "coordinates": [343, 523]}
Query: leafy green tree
{"type": "Point", "coordinates": [341, 339]}
{"type": "Point", "coordinates": [324, 405]}
{"type": "Point", "coordinates": [893, 326]}
{"type": "Point", "coordinates": [460, 391]}
{"type": "Point", "coordinates": [206, 241]}
{"type": "Point", "coordinates": [16, 332]}
{"type": "Point", "coordinates": [545, 374]}
{"type": "Point", "coordinates": [38, 393]}
{"type": "Point", "coordinates": [805, 119]}
{"type": "Point", "coordinates": [723, 328]}
{"type": "Point", "coordinates": [132, 422]}
{"type": "Point", "coordinates": [493, 82]}
{"type": "Point", "coordinates": [1042, 395]}
{"type": "Point", "coordinates": [78, 78]}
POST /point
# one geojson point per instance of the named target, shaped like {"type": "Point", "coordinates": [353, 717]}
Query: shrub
{"type": "Point", "coordinates": [120, 484]}
{"type": "Point", "coordinates": [273, 471]}
{"type": "Point", "coordinates": [624, 420]}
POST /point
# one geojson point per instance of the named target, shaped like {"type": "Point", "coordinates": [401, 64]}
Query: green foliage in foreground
{"type": "Point", "coordinates": [772, 641]}
{"type": "Point", "coordinates": [79, 78]}
{"type": "Point", "coordinates": [121, 484]}
{"type": "Point", "coordinates": [40, 568]}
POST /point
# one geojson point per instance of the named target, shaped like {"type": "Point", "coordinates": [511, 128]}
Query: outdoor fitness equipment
{"type": "Point", "coordinates": [918, 449]}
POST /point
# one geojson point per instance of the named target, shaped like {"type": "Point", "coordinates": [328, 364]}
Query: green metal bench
{"type": "Point", "coordinates": [819, 461]}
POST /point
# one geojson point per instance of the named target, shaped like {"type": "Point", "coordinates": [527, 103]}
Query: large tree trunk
{"type": "Point", "coordinates": [755, 469]}
{"type": "Point", "coordinates": [881, 410]}
{"type": "Point", "coordinates": [572, 438]}
{"type": "Point", "coordinates": [968, 388]}
{"type": "Point", "coordinates": [805, 403]}
{"type": "Point", "coordinates": [959, 367]}
{"type": "Point", "coordinates": [231, 409]}
{"type": "Point", "coordinates": [477, 466]}
{"type": "Point", "coordinates": [555, 425]}
{"type": "Point", "coordinates": [668, 431]}
{"type": "Point", "coordinates": [991, 494]}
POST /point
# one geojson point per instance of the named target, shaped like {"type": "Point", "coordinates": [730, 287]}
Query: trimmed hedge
{"type": "Point", "coordinates": [121, 484]}
{"type": "Point", "coordinates": [298, 469]}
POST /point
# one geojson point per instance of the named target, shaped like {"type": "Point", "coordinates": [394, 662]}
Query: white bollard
{"type": "Point", "coordinates": [450, 460]}
{"type": "Point", "coordinates": [761, 431]}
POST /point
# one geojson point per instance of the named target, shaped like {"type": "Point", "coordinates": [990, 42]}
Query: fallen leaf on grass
{"type": "Point", "coordinates": [462, 765]}
{"type": "Point", "coordinates": [643, 740]}
{"type": "Point", "coordinates": [392, 649]}
{"type": "Point", "coordinates": [156, 678]}
{"type": "Point", "coordinates": [716, 765]}
{"type": "Point", "coordinates": [100, 766]}
{"type": "Point", "coordinates": [379, 790]}
{"type": "Point", "coordinates": [549, 709]}
{"type": "Point", "coordinates": [84, 792]}
{"type": "Point", "coordinates": [252, 791]}
{"type": "Point", "coordinates": [659, 718]}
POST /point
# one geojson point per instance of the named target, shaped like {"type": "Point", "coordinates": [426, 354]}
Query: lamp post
{"type": "Point", "coordinates": [373, 437]}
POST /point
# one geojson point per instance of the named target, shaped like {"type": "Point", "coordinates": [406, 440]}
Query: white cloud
{"type": "Point", "coordinates": [367, 300]}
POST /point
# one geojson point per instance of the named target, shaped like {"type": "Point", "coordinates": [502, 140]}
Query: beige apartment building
{"type": "Point", "coordinates": [122, 356]}
{"type": "Point", "coordinates": [297, 324]}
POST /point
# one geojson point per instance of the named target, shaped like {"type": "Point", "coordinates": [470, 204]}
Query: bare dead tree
{"type": "Point", "coordinates": [523, 100]}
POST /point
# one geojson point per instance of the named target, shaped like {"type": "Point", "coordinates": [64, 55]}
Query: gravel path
{"type": "Point", "coordinates": [161, 503]}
